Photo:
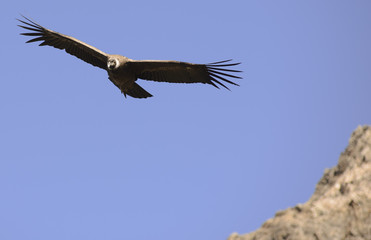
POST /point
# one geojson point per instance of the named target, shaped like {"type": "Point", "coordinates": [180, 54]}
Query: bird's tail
{"type": "Point", "coordinates": [137, 91]}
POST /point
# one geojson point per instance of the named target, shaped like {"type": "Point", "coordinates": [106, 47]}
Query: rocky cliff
{"type": "Point", "coordinates": [340, 207]}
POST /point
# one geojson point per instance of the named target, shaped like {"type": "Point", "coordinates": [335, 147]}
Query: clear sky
{"type": "Point", "coordinates": [79, 161]}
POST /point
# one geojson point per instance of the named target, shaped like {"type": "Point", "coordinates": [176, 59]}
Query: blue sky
{"type": "Point", "coordinates": [79, 161]}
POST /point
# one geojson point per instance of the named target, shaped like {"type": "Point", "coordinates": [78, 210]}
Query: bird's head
{"type": "Point", "coordinates": [113, 64]}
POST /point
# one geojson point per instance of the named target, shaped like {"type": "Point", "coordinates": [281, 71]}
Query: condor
{"type": "Point", "coordinates": [124, 72]}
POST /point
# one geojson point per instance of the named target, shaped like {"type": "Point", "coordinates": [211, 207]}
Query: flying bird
{"type": "Point", "coordinates": [124, 72]}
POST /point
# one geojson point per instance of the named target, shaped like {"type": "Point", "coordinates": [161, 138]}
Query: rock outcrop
{"type": "Point", "coordinates": [340, 207]}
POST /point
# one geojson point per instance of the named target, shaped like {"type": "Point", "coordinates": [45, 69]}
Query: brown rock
{"type": "Point", "coordinates": [340, 207]}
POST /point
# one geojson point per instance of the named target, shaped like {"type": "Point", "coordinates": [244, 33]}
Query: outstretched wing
{"type": "Point", "coordinates": [71, 45]}
{"type": "Point", "coordinates": [183, 72]}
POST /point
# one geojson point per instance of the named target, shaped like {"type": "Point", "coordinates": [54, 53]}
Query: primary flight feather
{"type": "Point", "coordinates": [123, 71]}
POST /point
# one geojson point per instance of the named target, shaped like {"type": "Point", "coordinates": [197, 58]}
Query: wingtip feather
{"type": "Point", "coordinates": [213, 79]}
{"type": "Point", "coordinates": [228, 60]}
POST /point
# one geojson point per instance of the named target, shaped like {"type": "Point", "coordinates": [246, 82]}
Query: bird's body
{"type": "Point", "coordinates": [124, 72]}
{"type": "Point", "coordinates": [120, 74]}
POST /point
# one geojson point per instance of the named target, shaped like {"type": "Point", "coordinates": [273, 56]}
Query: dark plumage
{"type": "Point", "coordinates": [124, 72]}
